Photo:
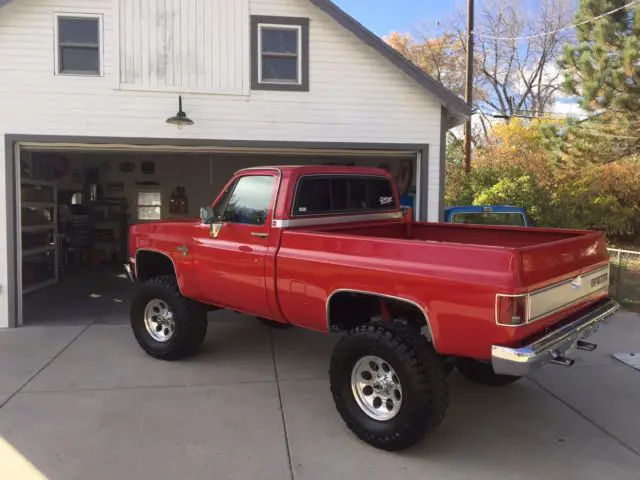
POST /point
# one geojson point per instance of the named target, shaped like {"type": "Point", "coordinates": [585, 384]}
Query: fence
{"type": "Point", "coordinates": [625, 278]}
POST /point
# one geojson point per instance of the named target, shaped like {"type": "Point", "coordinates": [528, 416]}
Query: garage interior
{"type": "Point", "coordinates": [76, 205]}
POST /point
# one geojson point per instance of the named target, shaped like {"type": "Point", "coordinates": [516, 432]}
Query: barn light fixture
{"type": "Point", "coordinates": [180, 119]}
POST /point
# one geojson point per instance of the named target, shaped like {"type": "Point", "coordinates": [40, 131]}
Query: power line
{"type": "Point", "coordinates": [535, 116]}
{"type": "Point", "coordinates": [562, 29]}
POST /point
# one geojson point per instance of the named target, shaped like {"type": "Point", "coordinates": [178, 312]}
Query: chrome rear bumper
{"type": "Point", "coordinates": [523, 360]}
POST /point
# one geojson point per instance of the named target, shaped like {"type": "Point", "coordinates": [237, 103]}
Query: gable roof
{"type": "Point", "coordinates": [457, 107]}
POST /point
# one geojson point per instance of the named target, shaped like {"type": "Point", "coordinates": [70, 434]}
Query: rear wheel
{"type": "Point", "coordinates": [167, 325]}
{"type": "Point", "coordinates": [482, 373]}
{"type": "Point", "coordinates": [389, 385]}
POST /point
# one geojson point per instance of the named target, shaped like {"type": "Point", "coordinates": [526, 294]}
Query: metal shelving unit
{"type": "Point", "coordinates": [39, 233]}
{"type": "Point", "coordinates": [109, 227]}
{"type": "Point", "coordinates": [37, 204]}
{"type": "Point", "coordinates": [38, 228]}
{"type": "Point", "coordinates": [36, 250]}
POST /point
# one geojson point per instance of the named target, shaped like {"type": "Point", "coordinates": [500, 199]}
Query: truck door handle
{"type": "Point", "coordinates": [260, 234]}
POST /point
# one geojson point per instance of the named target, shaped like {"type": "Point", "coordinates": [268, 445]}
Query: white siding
{"type": "Point", "coordinates": [184, 46]}
{"type": "Point", "coordinates": [355, 94]}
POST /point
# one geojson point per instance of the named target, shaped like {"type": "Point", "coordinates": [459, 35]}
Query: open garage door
{"type": "Point", "coordinates": [75, 203]}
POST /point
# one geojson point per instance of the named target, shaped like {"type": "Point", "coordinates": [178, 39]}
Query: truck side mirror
{"type": "Point", "coordinates": [206, 215]}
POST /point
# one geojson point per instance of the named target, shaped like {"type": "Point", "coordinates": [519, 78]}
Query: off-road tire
{"type": "Point", "coordinates": [190, 319]}
{"type": "Point", "coordinates": [421, 373]}
{"type": "Point", "coordinates": [275, 325]}
{"type": "Point", "coordinates": [482, 373]}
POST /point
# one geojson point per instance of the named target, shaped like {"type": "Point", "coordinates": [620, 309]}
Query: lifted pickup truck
{"type": "Point", "coordinates": [328, 249]}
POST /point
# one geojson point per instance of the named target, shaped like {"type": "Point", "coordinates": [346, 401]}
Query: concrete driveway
{"type": "Point", "coordinates": [80, 400]}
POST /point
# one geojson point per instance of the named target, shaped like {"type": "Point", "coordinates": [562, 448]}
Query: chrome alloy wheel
{"type": "Point", "coordinates": [158, 319]}
{"type": "Point", "coordinates": [376, 388]}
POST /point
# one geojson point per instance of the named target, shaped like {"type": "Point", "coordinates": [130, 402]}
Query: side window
{"type": "Point", "coordinates": [342, 194]}
{"type": "Point", "coordinates": [250, 201]}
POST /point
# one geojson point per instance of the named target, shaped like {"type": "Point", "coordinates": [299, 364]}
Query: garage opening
{"type": "Point", "coordinates": [76, 204]}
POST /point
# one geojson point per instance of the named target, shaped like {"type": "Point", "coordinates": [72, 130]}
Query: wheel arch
{"type": "Point", "coordinates": [371, 298]}
{"type": "Point", "coordinates": [146, 268]}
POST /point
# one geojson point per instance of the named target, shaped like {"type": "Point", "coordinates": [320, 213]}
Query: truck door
{"type": "Point", "coordinates": [230, 253]}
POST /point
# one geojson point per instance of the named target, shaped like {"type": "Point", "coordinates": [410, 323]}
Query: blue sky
{"type": "Point", "coordinates": [384, 16]}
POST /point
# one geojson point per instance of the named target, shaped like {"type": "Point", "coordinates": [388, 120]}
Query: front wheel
{"type": "Point", "coordinates": [389, 385]}
{"type": "Point", "coordinates": [167, 325]}
{"type": "Point", "coordinates": [482, 373]}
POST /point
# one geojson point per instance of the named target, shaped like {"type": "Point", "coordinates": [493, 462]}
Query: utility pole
{"type": "Point", "coordinates": [468, 89]}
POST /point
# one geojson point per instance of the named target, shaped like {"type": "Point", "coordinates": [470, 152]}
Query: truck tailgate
{"type": "Point", "coordinates": [564, 273]}
{"type": "Point", "coordinates": [554, 262]}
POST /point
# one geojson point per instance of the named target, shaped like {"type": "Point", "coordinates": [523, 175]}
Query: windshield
{"type": "Point", "coordinates": [484, 218]}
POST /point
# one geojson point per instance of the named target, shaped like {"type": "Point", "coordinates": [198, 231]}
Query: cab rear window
{"type": "Point", "coordinates": [342, 194]}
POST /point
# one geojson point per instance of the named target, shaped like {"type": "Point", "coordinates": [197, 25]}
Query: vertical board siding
{"type": "Point", "coordinates": [184, 45]}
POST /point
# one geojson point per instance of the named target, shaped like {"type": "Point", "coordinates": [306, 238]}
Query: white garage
{"type": "Point", "coordinates": [95, 139]}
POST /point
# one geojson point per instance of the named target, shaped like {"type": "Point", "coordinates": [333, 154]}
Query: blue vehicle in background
{"type": "Point", "coordinates": [488, 215]}
{"type": "Point", "coordinates": [479, 214]}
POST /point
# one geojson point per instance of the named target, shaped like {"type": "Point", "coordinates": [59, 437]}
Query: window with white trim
{"type": "Point", "coordinates": [78, 44]}
{"type": "Point", "coordinates": [280, 59]}
{"type": "Point", "coordinates": [280, 51]}
{"type": "Point", "coordinates": [149, 205]}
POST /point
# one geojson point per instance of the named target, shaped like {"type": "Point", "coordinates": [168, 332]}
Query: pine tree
{"type": "Point", "coordinates": [603, 69]}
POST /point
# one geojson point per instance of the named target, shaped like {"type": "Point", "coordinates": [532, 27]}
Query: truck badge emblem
{"type": "Point", "coordinates": [577, 283]}
{"type": "Point", "coordinates": [183, 249]}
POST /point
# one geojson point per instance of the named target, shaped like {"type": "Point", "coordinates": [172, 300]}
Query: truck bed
{"type": "Point", "coordinates": [455, 269]}
{"type": "Point", "coordinates": [490, 236]}
{"type": "Point", "coordinates": [543, 255]}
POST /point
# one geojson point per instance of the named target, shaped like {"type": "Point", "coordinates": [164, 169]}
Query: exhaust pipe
{"type": "Point", "coordinates": [560, 359]}
{"type": "Point", "coordinates": [586, 346]}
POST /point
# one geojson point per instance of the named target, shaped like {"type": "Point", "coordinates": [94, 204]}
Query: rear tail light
{"type": "Point", "coordinates": [511, 310]}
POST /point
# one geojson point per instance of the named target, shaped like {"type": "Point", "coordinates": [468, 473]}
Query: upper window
{"type": "Point", "coordinates": [342, 194]}
{"type": "Point", "coordinates": [250, 201]}
{"type": "Point", "coordinates": [279, 53]}
{"type": "Point", "coordinates": [78, 40]}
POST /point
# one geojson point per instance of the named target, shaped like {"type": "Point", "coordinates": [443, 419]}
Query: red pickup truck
{"type": "Point", "coordinates": [329, 249]}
